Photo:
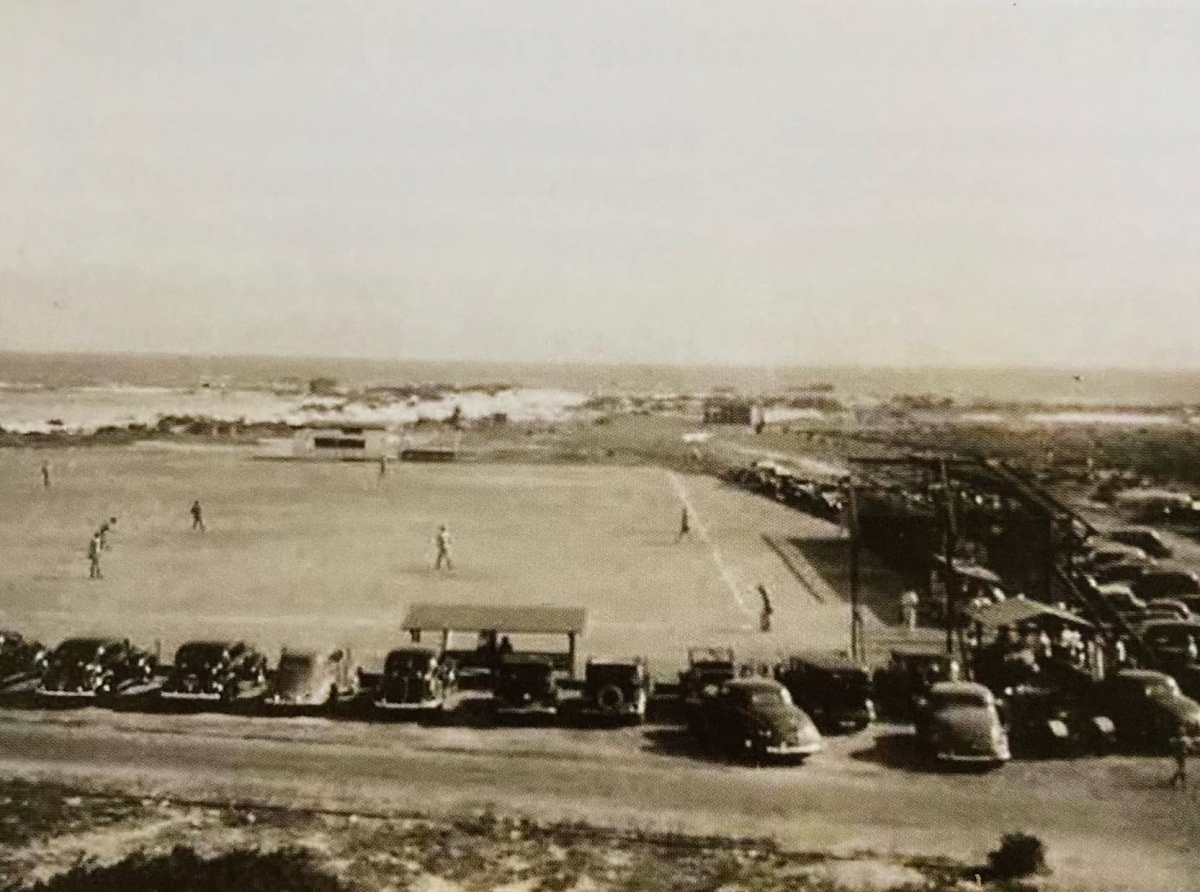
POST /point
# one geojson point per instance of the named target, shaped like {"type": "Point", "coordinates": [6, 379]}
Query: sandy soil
{"type": "Point", "coordinates": [302, 552]}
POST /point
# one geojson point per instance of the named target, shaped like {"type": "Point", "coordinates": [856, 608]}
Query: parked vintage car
{"type": "Point", "coordinates": [20, 658]}
{"type": "Point", "coordinates": [215, 670]}
{"type": "Point", "coordinates": [1121, 598]}
{"type": "Point", "coordinates": [1173, 642]}
{"type": "Point", "coordinates": [1102, 554]}
{"type": "Point", "coordinates": [708, 669]}
{"type": "Point", "coordinates": [1173, 606]}
{"type": "Point", "coordinates": [1123, 571]}
{"type": "Point", "coordinates": [907, 676]}
{"type": "Point", "coordinates": [1148, 709]}
{"type": "Point", "coordinates": [95, 667]}
{"type": "Point", "coordinates": [1150, 541]}
{"type": "Point", "coordinates": [959, 722]}
{"type": "Point", "coordinates": [617, 689]}
{"type": "Point", "coordinates": [755, 718]}
{"type": "Point", "coordinates": [526, 685]}
{"type": "Point", "coordinates": [834, 690]}
{"type": "Point", "coordinates": [1049, 722]}
{"type": "Point", "coordinates": [415, 678]}
{"type": "Point", "coordinates": [306, 678]}
{"type": "Point", "coordinates": [1166, 583]}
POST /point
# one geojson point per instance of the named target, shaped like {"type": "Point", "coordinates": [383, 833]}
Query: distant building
{"type": "Point", "coordinates": [733, 411]}
{"type": "Point", "coordinates": [344, 441]}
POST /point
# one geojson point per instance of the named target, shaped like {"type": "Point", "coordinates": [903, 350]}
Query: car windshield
{"type": "Point", "coordinates": [530, 671]}
{"type": "Point", "coordinates": [296, 662]}
{"type": "Point", "coordinates": [958, 699]}
{"type": "Point", "coordinates": [767, 697]}
{"type": "Point", "coordinates": [205, 653]}
{"type": "Point", "coordinates": [403, 661]}
{"type": "Point", "coordinates": [1171, 636]}
{"type": "Point", "coordinates": [78, 650]}
{"type": "Point", "coordinates": [614, 672]}
{"type": "Point", "coordinates": [849, 681]}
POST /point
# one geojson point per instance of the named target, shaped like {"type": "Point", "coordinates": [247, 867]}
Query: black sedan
{"type": "Point", "coordinates": [831, 688]}
{"type": "Point", "coordinates": [215, 670]}
{"type": "Point", "coordinates": [20, 658]}
{"type": "Point", "coordinates": [1045, 722]}
{"type": "Point", "coordinates": [755, 718]}
{"type": "Point", "coordinates": [525, 686]}
{"type": "Point", "coordinates": [415, 679]}
{"type": "Point", "coordinates": [1148, 710]}
{"type": "Point", "coordinates": [94, 668]}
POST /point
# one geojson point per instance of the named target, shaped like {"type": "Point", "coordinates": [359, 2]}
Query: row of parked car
{"type": "Point", "coordinates": [758, 713]}
{"type": "Point", "coordinates": [414, 678]}
{"type": "Point", "coordinates": [821, 498]}
{"type": "Point", "coordinates": [1159, 601]}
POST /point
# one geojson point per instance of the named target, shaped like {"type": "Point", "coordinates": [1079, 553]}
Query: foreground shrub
{"type": "Point", "coordinates": [290, 870]}
{"type": "Point", "coordinates": [1019, 855]}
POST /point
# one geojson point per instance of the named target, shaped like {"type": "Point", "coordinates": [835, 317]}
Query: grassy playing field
{"type": "Point", "coordinates": [306, 553]}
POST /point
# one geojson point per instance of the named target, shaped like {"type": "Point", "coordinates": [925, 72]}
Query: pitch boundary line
{"type": "Point", "coordinates": [698, 522]}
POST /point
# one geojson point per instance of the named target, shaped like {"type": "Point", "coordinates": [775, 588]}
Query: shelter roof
{"type": "Point", "coordinates": [527, 619]}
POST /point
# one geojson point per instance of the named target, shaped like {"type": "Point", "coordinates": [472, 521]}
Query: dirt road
{"type": "Point", "coordinates": [1106, 818]}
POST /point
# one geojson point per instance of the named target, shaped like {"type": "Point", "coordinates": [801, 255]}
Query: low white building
{"type": "Point", "coordinates": [345, 441]}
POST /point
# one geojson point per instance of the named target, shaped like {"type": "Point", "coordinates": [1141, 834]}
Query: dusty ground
{"type": "Point", "coordinates": [306, 553]}
{"type": "Point", "coordinates": [299, 552]}
{"type": "Point", "coordinates": [474, 850]}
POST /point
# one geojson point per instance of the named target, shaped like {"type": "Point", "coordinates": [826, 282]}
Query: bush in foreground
{"type": "Point", "coordinates": [1019, 855]}
{"type": "Point", "coordinates": [182, 870]}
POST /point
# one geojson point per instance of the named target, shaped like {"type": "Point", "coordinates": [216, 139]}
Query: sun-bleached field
{"type": "Point", "coordinates": [306, 553]}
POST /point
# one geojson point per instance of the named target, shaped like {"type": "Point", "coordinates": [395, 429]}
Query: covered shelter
{"type": "Point", "coordinates": [1023, 611]}
{"type": "Point", "coordinates": [492, 620]}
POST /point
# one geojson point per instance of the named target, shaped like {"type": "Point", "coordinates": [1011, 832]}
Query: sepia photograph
{"type": "Point", "coordinates": [600, 447]}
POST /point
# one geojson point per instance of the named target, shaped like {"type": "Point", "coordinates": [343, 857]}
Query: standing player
{"type": "Point", "coordinates": [197, 516]}
{"type": "Point", "coordinates": [764, 618]}
{"type": "Point", "coordinates": [94, 558]}
{"type": "Point", "coordinates": [685, 525]}
{"type": "Point", "coordinates": [442, 540]}
{"type": "Point", "coordinates": [45, 475]}
{"type": "Point", "coordinates": [909, 602]}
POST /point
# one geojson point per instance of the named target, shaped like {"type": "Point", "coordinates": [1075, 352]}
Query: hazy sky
{"type": "Point", "coordinates": [870, 182]}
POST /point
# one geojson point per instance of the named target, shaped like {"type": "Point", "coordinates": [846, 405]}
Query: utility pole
{"type": "Point", "coordinates": [949, 547]}
{"type": "Point", "coordinates": [856, 642]}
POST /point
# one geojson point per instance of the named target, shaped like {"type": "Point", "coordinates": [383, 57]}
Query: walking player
{"type": "Point", "coordinates": [1179, 750]}
{"type": "Point", "coordinates": [442, 540]}
{"type": "Point", "coordinates": [94, 558]}
{"type": "Point", "coordinates": [909, 602]}
{"type": "Point", "coordinates": [685, 525]}
{"type": "Point", "coordinates": [197, 516]}
{"type": "Point", "coordinates": [764, 618]}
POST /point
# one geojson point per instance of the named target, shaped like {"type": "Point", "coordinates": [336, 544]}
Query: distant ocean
{"type": "Point", "coordinates": [1100, 387]}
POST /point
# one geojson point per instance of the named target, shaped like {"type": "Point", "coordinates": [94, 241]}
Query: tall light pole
{"type": "Point", "coordinates": [856, 623]}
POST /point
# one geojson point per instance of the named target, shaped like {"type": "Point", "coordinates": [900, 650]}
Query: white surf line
{"type": "Point", "coordinates": [698, 523]}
